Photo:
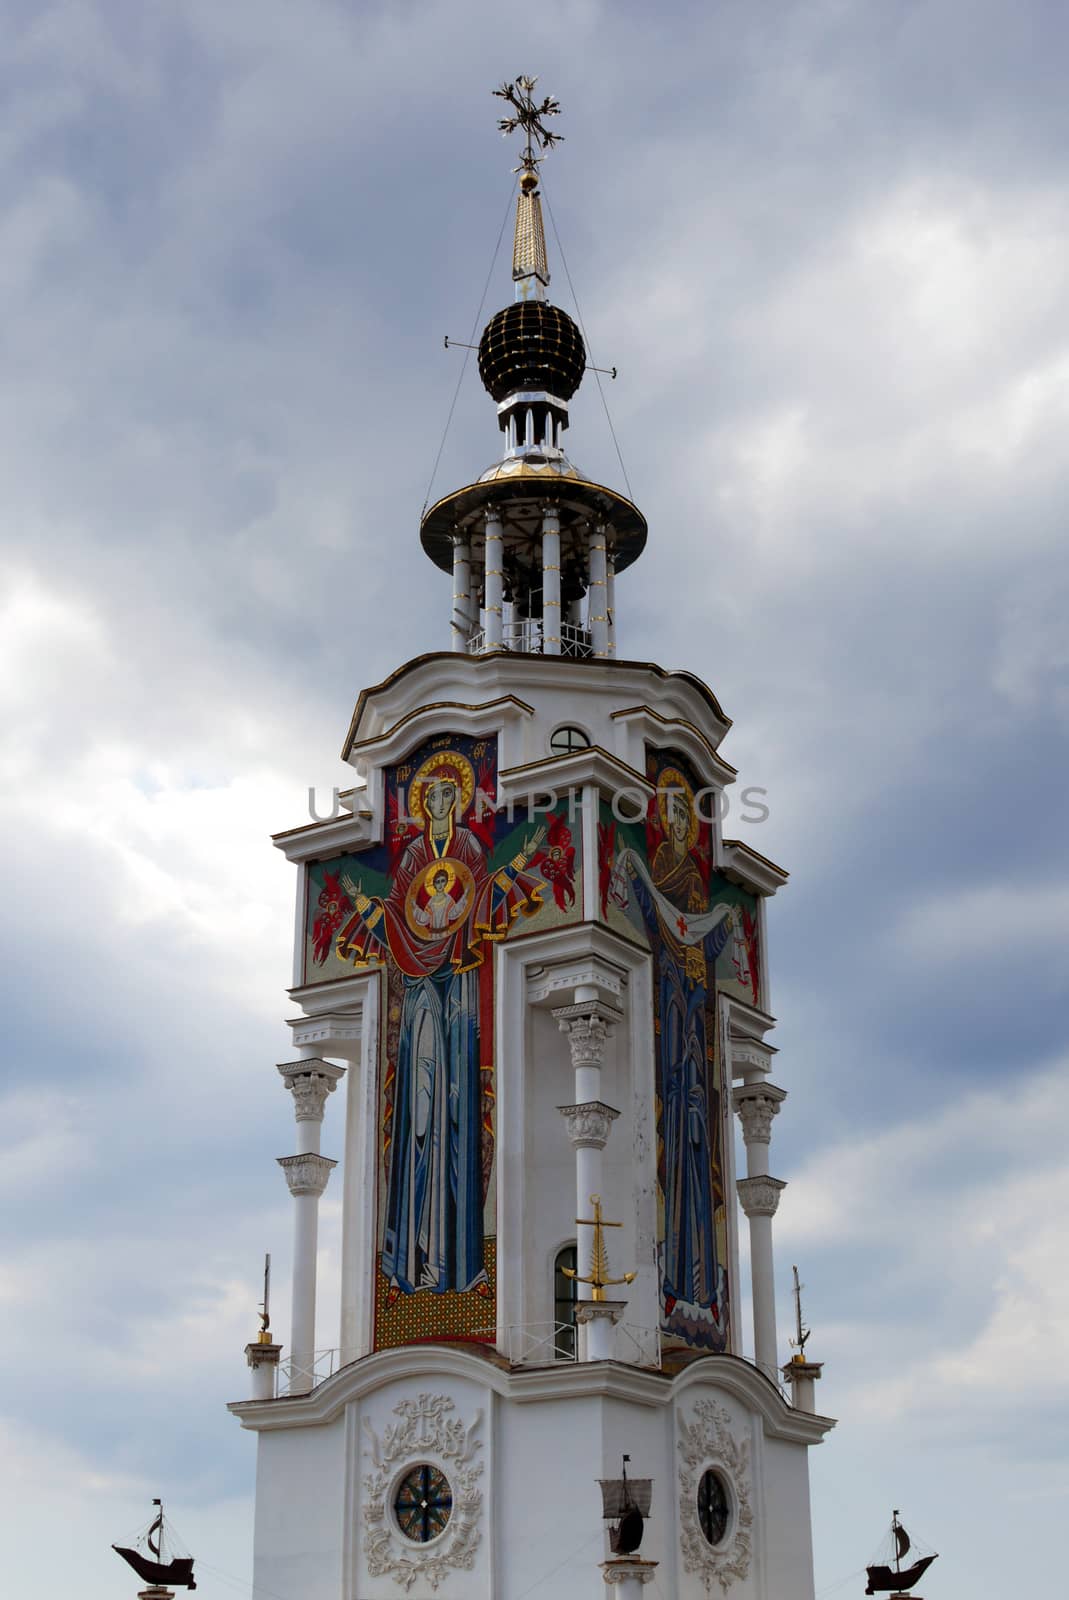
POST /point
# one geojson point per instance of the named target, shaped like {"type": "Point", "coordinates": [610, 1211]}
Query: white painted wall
{"type": "Point", "coordinates": [538, 1529]}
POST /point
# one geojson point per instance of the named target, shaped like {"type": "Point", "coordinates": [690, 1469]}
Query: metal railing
{"type": "Point", "coordinates": [534, 1344]}
{"type": "Point", "coordinates": [294, 1379]}
{"type": "Point", "coordinates": [575, 641]}
{"type": "Point", "coordinates": [529, 1344]}
{"type": "Point", "coordinates": [525, 634]}
{"type": "Point", "coordinates": [525, 637]}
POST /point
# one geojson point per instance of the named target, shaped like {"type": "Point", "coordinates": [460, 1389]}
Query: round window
{"type": "Point", "coordinates": [562, 741]}
{"type": "Point", "coordinates": [423, 1504]}
{"type": "Point", "coordinates": [713, 1507]}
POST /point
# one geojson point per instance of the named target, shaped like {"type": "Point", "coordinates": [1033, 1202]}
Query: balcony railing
{"type": "Point", "coordinates": [531, 1344]}
{"type": "Point", "coordinates": [525, 637]}
{"type": "Point", "coordinates": [575, 641]}
{"type": "Point", "coordinates": [293, 1379]}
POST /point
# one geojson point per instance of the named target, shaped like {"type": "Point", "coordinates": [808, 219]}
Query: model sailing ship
{"type": "Point", "coordinates": [897, 1579]}
{"type": "Point", "coordinates": [149, 1557]}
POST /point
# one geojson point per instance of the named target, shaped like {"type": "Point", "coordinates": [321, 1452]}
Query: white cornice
{"type": "Point", "coordinates": [581, 952]}
{"type": "Point", "coordinates": [527, 1386]}
{"type": "Point", "coordinates": [750, 869]}
{"type": "Point", "coordinates": [338, 1032]}
{"type": "Point", "coordinates": [316, 839]}
{"type": "Point", "coordinates": [445, 676]}
{"type": "Point", "coordinates": [394, 743]}
{"type": "Point", "coordinates": [337, 995]}
{"type": "Point", "coordinates": [684, 736]}
{"type": "Point", "coordinates": [561, 773]}
{"type": "Point", "coordinates": [747, 1022]}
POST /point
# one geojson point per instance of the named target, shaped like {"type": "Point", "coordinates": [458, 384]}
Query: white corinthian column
{"type": "Point", "coordinates": [309, 1081]}
{"type": "Point", "coordinates": [588, 1025]}
{"type": "Point", "coordinates": [757, 1104]}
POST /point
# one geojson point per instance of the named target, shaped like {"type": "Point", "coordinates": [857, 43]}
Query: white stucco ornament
{"type": "Point", "coordinates": [704, 1444]}
{"type": "Point", "coordinates": [426, 1432]}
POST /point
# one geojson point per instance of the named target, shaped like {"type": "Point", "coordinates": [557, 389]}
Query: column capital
{"type": "Point", "coordinates": [797, 1368]}
{"type": "Point", "coordinates": [599, 1310]}
{"type": "Point", "coordinates": [588, 1026]}
{"type": "Point", "coordinates": [307, 1174]}
{"type": "Point", "coordinates": [757, 1104]}
{"type": "Point", "coordinates": [262, 1355]}
{"type": "Point", "coordinates": [589, 1123]}
{"type": "Point", "coordinates": [759, 1197]}
{"type": "Point", "coordinates": [628, 1569]}
{"type": "Point", "coordinates": [309, 1082]}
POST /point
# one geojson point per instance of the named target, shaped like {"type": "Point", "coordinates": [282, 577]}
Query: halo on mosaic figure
{"type": "Point", "coordinates": [446, 868]}
{"type": "Point", "coordinates": [445, 766]}
{"type": "Point", "coordinates": [672, 779]}
{"type": "Point", "coordinates": [422, 889]}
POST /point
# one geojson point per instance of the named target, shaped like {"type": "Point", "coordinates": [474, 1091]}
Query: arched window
{"type": "Point", "coordinates": [564, 740]}
{"type": "Point", "coordinates": [564, 1297]}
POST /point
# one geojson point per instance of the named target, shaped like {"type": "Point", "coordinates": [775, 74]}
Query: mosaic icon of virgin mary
{"type": "Point", "coordinates": [444, 908]}
{"type": "Point", "coordinates": [690, 934]}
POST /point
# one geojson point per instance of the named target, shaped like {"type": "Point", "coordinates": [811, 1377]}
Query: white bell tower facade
{"type": "Point", "coordinates": [531, 986]}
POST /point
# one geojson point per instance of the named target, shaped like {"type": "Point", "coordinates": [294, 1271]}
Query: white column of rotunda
{"type": "Point", "coordinates": [588, 1024]}
{"type": "Point", "coordinates": [757, 1101]}
{"type": "Point", "coordinates": [310, 1080]}
{"type": "Point", "coordinates": [551, 613]}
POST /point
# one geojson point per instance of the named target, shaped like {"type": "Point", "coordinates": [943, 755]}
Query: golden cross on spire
{"type": "Point", "coordinates": [531, 118]}
{"type": "Point", "coordinates": [599, 1257]}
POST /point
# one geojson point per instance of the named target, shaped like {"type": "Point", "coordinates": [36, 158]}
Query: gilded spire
{"type": "Point", "coordinates": [530, 269]}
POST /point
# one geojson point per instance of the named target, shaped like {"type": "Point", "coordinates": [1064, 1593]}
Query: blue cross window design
{"type": "Point", "coordinates": [423, 1504]}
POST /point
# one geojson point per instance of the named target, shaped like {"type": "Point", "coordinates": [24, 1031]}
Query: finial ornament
{"type": "Point", "coordinates": [598, 1278]}
{"type": "Point", "coordinates": [802, 1332]}
{"type": "Point", "coordinates": [265, 1309]}
{"type": "Point", "coordinates": [530, 268]}
{"type": "Point", "coordinates": [530, 117]}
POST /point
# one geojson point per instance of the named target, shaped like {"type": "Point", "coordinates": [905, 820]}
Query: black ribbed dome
{"type": "Point", "coordinates": [531, 345]}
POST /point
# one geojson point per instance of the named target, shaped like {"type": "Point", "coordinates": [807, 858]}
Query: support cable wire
{"type": "Point", "coordinates": [578, 1551]}
{"type": "Point", "coordinates": [470, 346]}
{"type": "Point", "coordinates": [590, 356]}
{"type": "Point", "coordinates": [841, 1583]}
{"type": "Point", "coordinates": [256, 1590]}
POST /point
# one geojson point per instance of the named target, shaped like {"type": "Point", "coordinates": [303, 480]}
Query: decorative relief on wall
{"type": "Point", "coordinates": [427, 1434]}
{"type": "Point", "coordinates": [657, 885]}
{"type": "Point", "coordinates": [455, 875]}
{"type": "Point", "coordinates": [707, 1444]}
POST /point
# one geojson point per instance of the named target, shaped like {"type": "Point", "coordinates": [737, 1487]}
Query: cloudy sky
{"type": "Point", "coordinates": [825, 244]}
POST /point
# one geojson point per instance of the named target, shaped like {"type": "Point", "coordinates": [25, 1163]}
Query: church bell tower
{"type": "Point", "coordinates": [532, 997]}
